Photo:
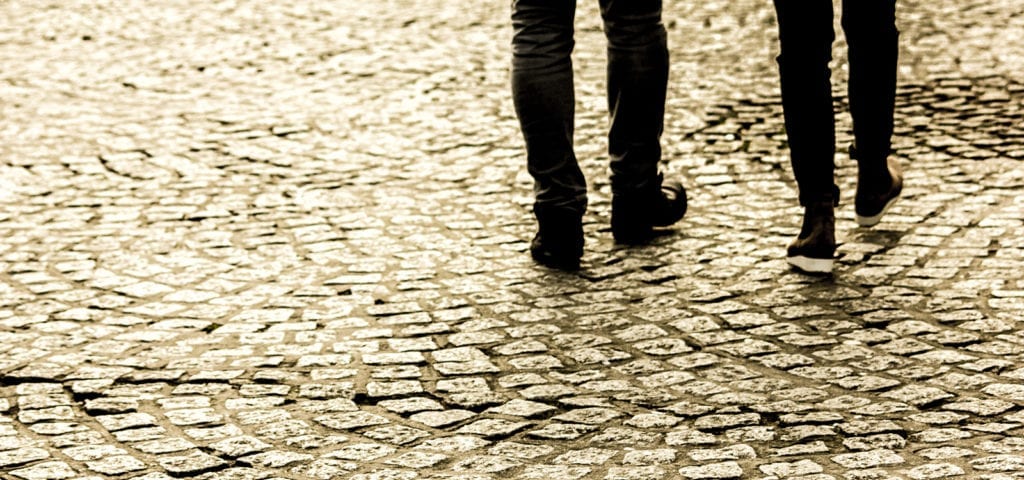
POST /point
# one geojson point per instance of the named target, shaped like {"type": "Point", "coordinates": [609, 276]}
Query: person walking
{"type": "Point", "coordinates": [542, 92]}
{"type": "Point", "coordinates": [805, 39]}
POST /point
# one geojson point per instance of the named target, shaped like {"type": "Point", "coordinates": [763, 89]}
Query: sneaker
{"type": "Point", "coordinates": [634, 216]}
{"type": "Point", "coordinates": [558, 243]}
{"type": "Point", "coordinates": [869, 205]}
{"type": "Point", "coordinates": [813, 250]}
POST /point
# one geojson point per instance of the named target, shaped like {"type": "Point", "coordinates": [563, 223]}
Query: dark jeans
{"type": "Point", "coordinates": [542, 90]}
{"type": "Point", "coordinates": [805, 37]}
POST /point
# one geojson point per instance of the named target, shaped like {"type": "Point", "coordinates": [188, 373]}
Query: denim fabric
{"type": "Point", "coordinates": [805, 38]}
{"type": "Point", "coordinates": [542, 91]}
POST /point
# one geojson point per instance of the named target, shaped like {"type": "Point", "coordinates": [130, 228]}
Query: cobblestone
{"type": "Point", "coordinates": [253, 240]}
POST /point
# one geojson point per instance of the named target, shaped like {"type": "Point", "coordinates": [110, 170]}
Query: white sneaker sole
{"type": "Point", "coordinates": [811, 265]}
{"type": "Point", "coordinates": [873, 220]}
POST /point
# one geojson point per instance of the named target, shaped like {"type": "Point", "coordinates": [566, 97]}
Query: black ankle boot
{"type": "Point", "coordinates": [876, 192]}
{"type": "Point", "coordinates": [559, 240]}
{"type": "Point", "coordinates": [813, 250]}
{"type": "Point", "coordinates": [635, 214]}
{"type": "Point", "coordinates": [879, 184]}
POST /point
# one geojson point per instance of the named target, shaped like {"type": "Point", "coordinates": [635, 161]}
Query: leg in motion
{"type": "Point", "coordinates": [542, 92]}
{"type": "Point", "coordinates": [638, 66]}
{"type": "Point", "coordinates": [870, 29]}
{"type": "Point", "coordinates": [805, 38]}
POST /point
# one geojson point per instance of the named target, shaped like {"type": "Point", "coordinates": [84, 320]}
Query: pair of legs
{"type": "Point", "coordinates": [542, 91]}
{"type": "Point", "coordinates": [543, 94]}
{"type": "Point", "coordinates": [805, 37]}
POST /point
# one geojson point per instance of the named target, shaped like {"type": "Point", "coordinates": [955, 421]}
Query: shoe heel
{"type": "Point", "coordinates": [873, 220]}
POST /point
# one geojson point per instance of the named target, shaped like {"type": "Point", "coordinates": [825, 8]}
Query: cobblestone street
{"type": "Point", "coordinates": [288, 240]}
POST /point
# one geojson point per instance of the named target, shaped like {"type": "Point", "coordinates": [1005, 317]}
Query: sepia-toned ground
{"type": "Point", "coordinates": [249, 240]}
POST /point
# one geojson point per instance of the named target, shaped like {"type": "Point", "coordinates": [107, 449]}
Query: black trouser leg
{"type": "Point", "coordinates": [542, 91]}
{"type": "Point", "coordinates": [637, 81]}
{"type": "Point", "coordinates": [870, 29]}
{"type": "Point", "coordinates": [805, 38]}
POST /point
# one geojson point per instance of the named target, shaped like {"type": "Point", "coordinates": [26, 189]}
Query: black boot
{"type": "Point", "coordinates": [813, 250]}
{"type": "Point", "coordinates": [635, 214]}
{"type": "Point", "coordinates": [559, 240]}
{"type": "Point", "coordinates": [877, 190]}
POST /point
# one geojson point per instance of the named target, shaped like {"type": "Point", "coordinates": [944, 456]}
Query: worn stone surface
{"type": "Point", "coordinates": [254, 240]}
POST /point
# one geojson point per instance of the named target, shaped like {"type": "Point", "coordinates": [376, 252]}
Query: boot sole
{"type": "Point", "coordinates": [873, 220]}
{"type": "Point", "coordinates": [557, 262]}
{"type": "Point", "coordinates": [811, 265]}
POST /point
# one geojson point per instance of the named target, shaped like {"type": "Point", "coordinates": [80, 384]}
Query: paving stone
{"type": "Point", "coordinates": [393, 389]}
{"type": "Point", "coordinates": [410, 405]}
{"type": "Point", "coordinates": [115, 465]}
{"type": "Point", "coordinates": [805, 432]}
{"type": "Point", "coordinates": [652, 420]}
{"type": "Point", "coordinates": [486, 463]}
{"type": "Point", "coordinates": [193, 463]}
{"type": "Point", "coordinates": [562, 431]}
{"type": "Point", "coordinates": [868, 459]}
{"type": "Point", "coordinates": [1005, 445]}
{"type": "Point", "coordinates": [444, 418]}
{"type": "Point", "coordinates": [92, 452]}
{"type": "Point", "coordinates": [396, 434]}
{"type": "Point", "coordinates": [324, 469]}
{"type": "Point", "coordinates": [940, 435]}
{"type": "Point", "coordinates": [1005, 391]}
{"type": "Point", "coordinates": [624, 436]}
{"type": "Point", "coordinates": [689, 409]}
{"type": "Point", "coordinates": [475, 400]}
{"type": "Point", "coordinates": [522, 408]}
{"type": "Point", "coordinates": [636, 473]}
{"type": "Point", "coordinates": [791, 469]}
{"type": "Point", "coordinates": [732, 452]}
{"type": "Point", "coordinates": [475, 367]}
{"type": "Point", "coordinates": [935, 470]}
{"type": "Point", "coordinates": [751, 434]}
{"type": "Point", "coordinates": [361, 452]}
{"type": "Point", "coordinates": [167, 445]}
{"type": "Point", "coordinates": [809, 448]}
{"type": "Point", "coordinates": [887, 441]}
{"type": "Point", "coordinates": [649, 457]}
{"type": "Point", "coordinates": [713, 470]}
{"type": "Point", "coordinates": [493, 427]}
{"type": "Point", "coordinates": [45, 471]}
{"type": "Point", "coordinates": [588, 456]}
{"type": "Point", "coordinates": [547, 392]}
{"type": "Point", "coordinates": [192, 417]}
{"type": "Point", "coordinates": [458, 443]}
{"type": "Point", "coordinates": [239, 446]}
{"type": "Point", "coordinates": [866, 427]}
{"type": "Point", "coordinates": [417, 459]}
{"type": "Point", "coordinates": [917, 395]}
{"type": "Point", "coordinates": [46, 414]}
{"type": "Point", "coordinates": [717, 422]}
{"type": "Point", "coordinates": [520, 450]}
{"type": "Point", "coordinates": [999, 463]}
{"type": "Point", "coordinates": [21, 456]}
{"type": "Point", "coordinates": [350, 420]}
{"type": "Point", "coordinates": [215, 433]}
{"type": "Point", "coordinates": [125, 421]}
{"type": "Point", "coordinates": [538, 472]}
{"type": "Point", "coordinates": [589, 416]}
{"type": "Point", "coordinates": [983, 407]}
{"type": "Point", "coordinates": [274, 459]}
{"type": "Point", "coordinates": [386, 474]}
{"type": "Point", "coordinates": [686, 436]}
{"type": "Point", "coordinates": [11, 442]}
